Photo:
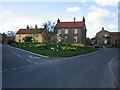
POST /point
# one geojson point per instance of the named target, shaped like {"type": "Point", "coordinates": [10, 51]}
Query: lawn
{"type": "Point", "coordinates": [65, 49]}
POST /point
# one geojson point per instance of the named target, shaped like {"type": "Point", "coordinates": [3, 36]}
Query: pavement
{"type": "Point", "coordinates": [22, 69]}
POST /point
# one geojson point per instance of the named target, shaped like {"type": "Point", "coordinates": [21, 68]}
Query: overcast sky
{"type": "Point", "coordinates": [98, 14]}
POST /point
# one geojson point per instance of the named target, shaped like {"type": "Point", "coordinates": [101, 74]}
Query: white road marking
{"type": "Point", "coordinates": [110, 67]}
{"type": "Point", "coordinates": [21, 67]}
{"type": "Point", "coordinates": [19, 56]}
{"type": "Point", "coordinates": [57, 60]}
{"type": "Point", "coordinates": [36, 63]}
{"type": "Point", "coordinates": [13, 52]}
{"type": "Point", "coordinates": [13, 68]}
{"type": "Point", "coordinates": [28, 60]}
{"type": "Point", "coordinates": [30, 56]}
{"type": "Point", "coordinates": [5, 70]}
{"type": "Point", "coordinates": [33, 57]}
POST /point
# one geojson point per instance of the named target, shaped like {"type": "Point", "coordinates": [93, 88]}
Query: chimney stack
{"type": "Point", "coordinates": [102, 28]}
{"type": "Point", "coordinates": [58, 20]}
{"type": "Point", "coordinates": [74, 19]}
{"type": "Point", "coordinates": [83, 19]}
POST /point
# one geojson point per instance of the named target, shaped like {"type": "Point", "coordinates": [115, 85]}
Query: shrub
{"type": "Point", "coordinates": [10, 41]}
{"type": "Point", "coordinates": [78, 45]}
{"type": "Point", "coordinates": [68, 48]}
{"type": "Point", "coordinates": [27, 39]}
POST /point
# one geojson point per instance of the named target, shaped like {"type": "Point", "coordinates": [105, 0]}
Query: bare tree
{"type": "Point", "coordinates": [48, 31]}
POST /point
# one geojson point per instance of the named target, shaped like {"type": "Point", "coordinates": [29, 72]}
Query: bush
{"type": "Point", "coordinates": [27, 39]}
{"type": "Point", "coordinates": [78, 45]}
{"type": "Point", "coordinates": [68, 48]}
{"type": "Point", "coordinates": [9, 41]}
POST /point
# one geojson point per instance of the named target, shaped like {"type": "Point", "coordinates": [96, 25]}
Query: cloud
{"type": "Point", "coordinates": [111, 26]}
{"type": "Point", "coordinates": [16, 23]}
{"type": "Point", "coordinates": [107, 2]}
{"type": "Point", "coordinates": [103, 2]}
{"type": "Point", "coordinates": [97, 15]}
{"type": "Point", "coordinates": [3, 12]}
{"type": "Point", "coordinates": [98, 18]}
{"type": "Point", "coordinates": [73, 9]}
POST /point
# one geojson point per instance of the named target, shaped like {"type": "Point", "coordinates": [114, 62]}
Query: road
{"type": "Point", "coordinates": [24, 70]}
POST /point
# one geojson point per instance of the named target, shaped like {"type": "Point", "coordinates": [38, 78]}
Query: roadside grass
{"type": "Point", "coordinates": [65, 49]}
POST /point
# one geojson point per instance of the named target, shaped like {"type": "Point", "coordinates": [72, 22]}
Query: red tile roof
{"type": "Point", "coordinates": [112, 33]}
{"type": "Point", "coordinates": [115, 33]}
{"type": "Point", "coordinates": [69, 24]}
{"type": "Point", "coordinates": [23, 31]}
{"type": "Point", "coordinates": [26, 31]}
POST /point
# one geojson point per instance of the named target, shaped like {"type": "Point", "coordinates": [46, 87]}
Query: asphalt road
{"type": "Point", "coordinates": [24, 70]}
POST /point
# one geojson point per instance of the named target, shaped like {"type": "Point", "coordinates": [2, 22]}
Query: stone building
{"type": "Point", "coordinates": [105, 37]}
{"type": "Point", "coordinates": [73, 32]}
{"type": "Point", "coordinates": [22, 33]}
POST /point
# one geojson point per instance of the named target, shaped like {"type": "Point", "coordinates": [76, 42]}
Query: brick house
{"type": "Point", "coordinates": [22, 33]}
{"type": "Point", "coordinates": [73, 32]}
{"type": "Point", "coordinates": [109, 38]}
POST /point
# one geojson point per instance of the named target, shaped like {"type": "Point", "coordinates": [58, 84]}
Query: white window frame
{"type": "Point", "coordinates": [65, 39]}
{"type": "Point", "coordinates": [66, 31]}
{"type": "Point", "coordinates": [75, 39]}
{"type": "Point", "coordinates": [75, 31]}
{"type": "Point", "coordinates": [59, 31]}
{"type": "Point", "coordinates": [105, 41]}
{"type": "Point", "coordinates": [106, 35]}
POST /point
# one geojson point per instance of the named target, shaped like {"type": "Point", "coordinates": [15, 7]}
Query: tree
{"type": "Point", "coordinates": [48, 31]}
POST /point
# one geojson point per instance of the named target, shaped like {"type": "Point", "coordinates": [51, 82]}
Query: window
{"type": "Point", "coordinates": [75, 39]}
{"type": "Point", "coordinates": [66, 31]}
{"type": "Point", "coordinates": [66, 39]}
{"type": "Point", "coordinates": [19, 35]}
{"type": "Point", "coordinates": [75, 31]}
{"type": "Point", "coordinates": [105, 35]}
{"type": "Point", "coordinates": [105, 41]}
{"type": "Point", "coordinates": [59, 32]}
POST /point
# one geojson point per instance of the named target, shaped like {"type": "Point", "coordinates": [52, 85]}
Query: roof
{"type": "Point", "coordinates": [27, 31]}
{"type": "Point", "coordinates": [70, 24]}
{"type": "Point", "coordinates": [112, 33]}
{"type": "Point", "coordinates": [115, 33]}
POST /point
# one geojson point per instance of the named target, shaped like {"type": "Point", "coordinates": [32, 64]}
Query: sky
{"type": "Point", "coordinates": [98, 13]}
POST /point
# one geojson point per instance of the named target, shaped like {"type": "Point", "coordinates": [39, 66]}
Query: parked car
{"type": "Point", "coordinates": [98, 46]}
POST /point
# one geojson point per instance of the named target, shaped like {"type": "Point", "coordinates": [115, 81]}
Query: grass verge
{"type": "Point", "coordinates": [45, 49]}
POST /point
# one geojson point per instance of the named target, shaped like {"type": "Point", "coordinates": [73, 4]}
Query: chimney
{"type": "Point", "coordinates": [74, 19]}
{"type": "Point", "coordinates": [83, 19]}
{"type": "Point", "coordinates": [102, 28]}
{"type": "Point", "coordinates": [58, 20]}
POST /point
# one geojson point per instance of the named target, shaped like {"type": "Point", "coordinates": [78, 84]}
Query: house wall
{"type": "Point", "coordinates": [100, 37]}
{"type": "Point", "coordinates": [19, 37]}
{"type": "Point", "coordinates": [81, 35]}
{"type": "Point", "coordinates": [111, 38]}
